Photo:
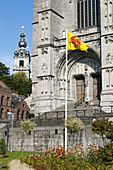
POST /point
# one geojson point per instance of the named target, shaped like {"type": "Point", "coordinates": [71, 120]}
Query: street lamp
{"type": "Point", "coordinates": [12, 118]}
{"type": "Point", "coordinates": [0, 111]}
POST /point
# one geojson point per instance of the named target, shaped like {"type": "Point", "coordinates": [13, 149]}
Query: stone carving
{"type": "Point", "coordinates": [44, 25]}
{"type": "Point", "coordinates": [44, 15]}
{"type": "Point", "coordinates": [44, 51]}
{"type": "Point", "coordinates": [109, 59]}
{"type": "Point", "coordinates": [109, 39]}
{"type": "Point", "coordinates": [44, 68]}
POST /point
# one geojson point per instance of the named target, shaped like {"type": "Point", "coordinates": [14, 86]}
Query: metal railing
{"type": "Point", "coordinates": [79, 102]}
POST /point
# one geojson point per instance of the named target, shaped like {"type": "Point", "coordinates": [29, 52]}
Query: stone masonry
{"type": "Point", "coordinates": [89, 73]}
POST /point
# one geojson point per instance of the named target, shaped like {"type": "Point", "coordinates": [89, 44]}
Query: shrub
{"type": "Point", "coordinates": [74, 124]}
{"type": "Point", "coordinates": [105, 154]}
{"type": "Point", "coordinates": [27, 126]}
{"type": "Point", "coordinates": [3, 147]}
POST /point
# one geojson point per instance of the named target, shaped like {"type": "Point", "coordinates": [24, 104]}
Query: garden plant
{"type": "Point", "coordinates": [78, 157]}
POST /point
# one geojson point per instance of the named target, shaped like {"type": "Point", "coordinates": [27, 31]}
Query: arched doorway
{"type": "Point", "coordinates": [84, 76]}
{"type": "Point", "coordinates": [80, 88]}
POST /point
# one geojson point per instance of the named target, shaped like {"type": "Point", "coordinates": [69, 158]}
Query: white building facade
{"type": "Point", "coordinates": [89, 73]}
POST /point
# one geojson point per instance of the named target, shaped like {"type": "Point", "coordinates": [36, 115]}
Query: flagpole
{"type": "Point", "coordinates": [66, 97]}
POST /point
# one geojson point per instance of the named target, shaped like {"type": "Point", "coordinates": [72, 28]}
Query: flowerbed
{"type": "Point", "coordinates": [77, 158]}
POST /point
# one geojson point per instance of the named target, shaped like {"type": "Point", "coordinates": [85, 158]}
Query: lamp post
{"type": "Point", "coordinates": [0, 111]}
{"type": "Point", "coordinates": [12, 118]}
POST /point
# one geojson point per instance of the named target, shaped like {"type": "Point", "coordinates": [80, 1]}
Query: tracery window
{"type": "Point", "coordinates": [87, 13]}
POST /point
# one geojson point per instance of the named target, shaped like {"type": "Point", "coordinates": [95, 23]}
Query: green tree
{"type": "Point", "coordinates": [19, 82]}
{"type": "Point", "coordinates": [22, 84]}
{"type": "Point", "coordinates": [3, 147]}
{"type": "Point", "coordinates": [103, 126]}
{"type": "Point", "coordinates": [4, 71]}
{"type": "Point", "coordinates": [27, 126]}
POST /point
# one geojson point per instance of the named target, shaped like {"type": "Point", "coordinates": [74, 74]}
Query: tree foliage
{"type": "Point", "coordinates": [103, 126]}
{"type": "Point", "coordinates": [27, 126]}
{"type": "Point", "coordinates": [22, 84]}
{"type": "Point", "coordinates": [4, 71]}
{"type": "Point", "coordinates": [3, 147]}
{"type": "Point", "coordinates": [19, 82]}
{"type": "Point", "coordinates": [74, 124]}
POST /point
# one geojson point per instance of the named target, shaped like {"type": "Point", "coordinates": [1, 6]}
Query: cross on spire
{"type": "Point", "coordinates": [22, 28]}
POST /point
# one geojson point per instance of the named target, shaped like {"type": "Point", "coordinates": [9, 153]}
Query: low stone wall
{"type": "Point", "coordinates": [48, 137]}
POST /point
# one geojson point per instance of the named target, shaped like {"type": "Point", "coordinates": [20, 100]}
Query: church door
{"type": "Point", "coordinates": [80, 89]}
{"type": "Point", "coordinates": [96, 88]}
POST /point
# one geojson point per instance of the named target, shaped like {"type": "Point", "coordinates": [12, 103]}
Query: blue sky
{"type": "Point", "coordinates": [13, 15]}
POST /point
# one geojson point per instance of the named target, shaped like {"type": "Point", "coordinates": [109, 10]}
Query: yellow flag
{"type": "Point", "coordinates": [74, 43]}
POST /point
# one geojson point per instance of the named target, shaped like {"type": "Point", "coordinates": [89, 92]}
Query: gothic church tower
{"type": "Point", "coordinates": [89, 73]}
{"type": "Point", "coordinates": [22, 57]}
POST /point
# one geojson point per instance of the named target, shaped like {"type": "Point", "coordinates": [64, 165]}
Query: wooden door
{"type": "Point", "coordinates": [80, 89]}
{"type": "Point", "coordinates": [96, 88]}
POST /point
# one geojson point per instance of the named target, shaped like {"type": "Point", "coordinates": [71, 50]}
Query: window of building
{"type": "Point", "coordinates": [21, 54]}
{"type": "Point", "coordinates": [89, 12]}
{"type": "Point", "coordinates": [22, 116]}
{"type": "Point", "coordinates": [78, 8]}
{"type": "Point", "coordinates": [56, 131]}
{"type": "Point", "coordinates": [87, 15]}
{"type": "Point", "coordinates": [21, 63]}
{"type": "Point", "coordinates": [2, 100]}
{"type": "Point", "coordinates": [8, 101]}
{"type": "Point", "coordinates": [86, 21]}
{"type": "Point", "coordinates": [27, 115]}
{"type": "Point", "coordinates": [1, 114]}
{"type": "Point", "coordinates": [7, 113]}
{"type": "Point", "coordinates": [93, 5]}
{"type": "Point", "coordinates": [82, 14]}
{"type": "Point", "coordinates": [18, 112]}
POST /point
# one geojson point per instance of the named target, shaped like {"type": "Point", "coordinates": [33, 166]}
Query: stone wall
{"type": "Point", "coordinates": [50, 137]}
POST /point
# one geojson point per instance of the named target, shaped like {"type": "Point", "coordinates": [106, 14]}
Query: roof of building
{"type": "Point", "coordinates": [3, 85]}
{"type": "Point", "coordinates": [17, 99]}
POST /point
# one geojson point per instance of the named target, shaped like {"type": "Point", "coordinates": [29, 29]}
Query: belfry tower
{"type": "Point", "coordinates": [22, 57]}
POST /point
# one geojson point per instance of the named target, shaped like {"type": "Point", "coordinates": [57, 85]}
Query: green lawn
{"type": "Point", "coordinates": [10, 156]}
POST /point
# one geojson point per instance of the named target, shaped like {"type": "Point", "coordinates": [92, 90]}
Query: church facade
{"type": "Point", "coordinates": [90, 74]}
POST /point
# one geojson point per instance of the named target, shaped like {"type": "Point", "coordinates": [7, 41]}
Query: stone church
{"type": "Point", "coordinates": [90, 74]}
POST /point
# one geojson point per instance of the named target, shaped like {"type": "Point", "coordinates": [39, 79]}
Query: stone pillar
{"type": "Point", "coordinates": [107, 52]}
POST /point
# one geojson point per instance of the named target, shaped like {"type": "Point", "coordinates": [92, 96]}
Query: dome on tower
{"type": "Point", "coordinates": [27, 53]}
{"type": "Point", "coordinates": [22, 42]}
{"type": "Point", "coordinates": [16, 52]}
